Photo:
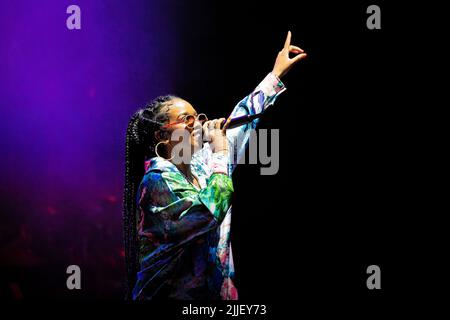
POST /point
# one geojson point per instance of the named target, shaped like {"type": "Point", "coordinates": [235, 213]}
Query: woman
{"type": "Point", "coordinates": [177, 214]}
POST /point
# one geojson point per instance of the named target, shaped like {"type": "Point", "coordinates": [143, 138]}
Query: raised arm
{"type": "Point", "coordinates": [263, 96]}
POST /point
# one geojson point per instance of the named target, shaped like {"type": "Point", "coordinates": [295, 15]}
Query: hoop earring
{"type": "Point", "coordinates": [156, 151]}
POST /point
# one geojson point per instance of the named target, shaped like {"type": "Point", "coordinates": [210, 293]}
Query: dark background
{"type": "Point", "coordinates": [347, 187]}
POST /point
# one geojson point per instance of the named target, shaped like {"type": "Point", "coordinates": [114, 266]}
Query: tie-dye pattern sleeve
{"type": "Point", "coordinates": [217, 195]}
{"type": "Point", "coordinates": [173, 216]}
{"type": "Point", "coordinates": [263, 96]}
{"type": "Point", "coordinates": [178, 211]}
{"type": "Point", "coordinates": [169, 189]}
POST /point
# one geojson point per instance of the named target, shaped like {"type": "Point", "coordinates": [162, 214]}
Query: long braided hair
{"type": "Point", "coordinates": [139, 146]}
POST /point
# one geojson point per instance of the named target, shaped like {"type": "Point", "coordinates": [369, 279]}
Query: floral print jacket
{"type": "Point", "coordinates": [183, 230]}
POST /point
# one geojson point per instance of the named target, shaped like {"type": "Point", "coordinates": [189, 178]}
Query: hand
{"type": "Point", "coordinates": [283, 63]}
{"type": "Point", "coordinates": [215, 135]}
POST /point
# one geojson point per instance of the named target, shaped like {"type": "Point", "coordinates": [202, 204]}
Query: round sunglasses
{"type": "Point", "coordinates": [188, 120]}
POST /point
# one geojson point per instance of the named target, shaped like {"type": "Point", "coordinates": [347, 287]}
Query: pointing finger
{"type": "Point", "coordinates": [288, 40]}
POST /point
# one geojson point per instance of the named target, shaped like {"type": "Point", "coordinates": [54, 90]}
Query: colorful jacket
{"type": "Point", "coordinates": [184, 231]}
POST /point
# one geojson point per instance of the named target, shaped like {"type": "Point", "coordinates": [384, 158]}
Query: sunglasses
{"type": "Point", "coordinates": [188, 120]}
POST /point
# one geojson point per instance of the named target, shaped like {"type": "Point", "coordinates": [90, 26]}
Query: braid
{"type": "Point", "coordinates": [139, 146]}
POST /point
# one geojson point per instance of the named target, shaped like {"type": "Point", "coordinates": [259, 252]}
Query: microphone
{"type": "Point", "coordinates": [241, 120]}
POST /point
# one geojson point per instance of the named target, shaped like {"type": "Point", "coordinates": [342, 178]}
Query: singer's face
{"type": "Point", "coordinates": [177, 110]}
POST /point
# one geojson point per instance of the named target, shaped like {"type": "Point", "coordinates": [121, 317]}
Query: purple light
{"type": "Point", "coordinates": [66, 97]}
